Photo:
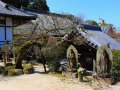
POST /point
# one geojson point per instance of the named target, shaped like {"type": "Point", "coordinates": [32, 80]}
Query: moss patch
{"type": "Point", "coordinates": [14, 72]}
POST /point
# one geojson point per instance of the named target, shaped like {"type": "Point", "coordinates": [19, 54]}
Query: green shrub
{"type": "Point", "coordinates": [54, 66]}
{"type": "Point", "coordinates": [28, 68]}
{"type": "Point", "coordinates": [116, 63]}
{"type": "Point", "coordinates": [11, 71]}
{"type": "Point", "coordinates": [55, 53]}
{"type": "Point", "coordinates": [5, 73]}
{"type": "Point", "coordinates": [10, 67]}
{"type": "Point", "coordinates": [2, 69]}
{"type": "Point", "coordinates": [14, 72]}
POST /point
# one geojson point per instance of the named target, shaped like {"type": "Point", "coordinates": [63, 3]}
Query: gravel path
{"type": "Point", "coordinates": [39, 81]}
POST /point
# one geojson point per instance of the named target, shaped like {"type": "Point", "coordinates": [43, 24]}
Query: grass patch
{"type": "Point", "coordinates": [57, 74]}
{"type": "Point", "coordinates": [87, 78]}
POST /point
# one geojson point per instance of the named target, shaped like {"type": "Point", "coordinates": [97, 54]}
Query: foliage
{"type": "Point", "coordinates": [11, 71]}
{"type": "Point", "coordinates": [2, 69]}
{"type": "Point", "coordinates": [23, 39]}
{"type": "Point", "coordinates": [18, 41]}
{"type": "Point", "coordinates": [0, 50]}
{"type": "Point", "coordinates": [22, 52]}
{"type": "Point", "coordinates": [35, 4]}
{"type": "Point", "coordinates": [28, 68]}
{"type": "Point", "coordinates": [10, 67]}
{"type": "Point", "coordinates": [6, 69]}
{"type": "Point", "coordinates": [39, 5]}
{"type": "Point", "coordinates": [91, 22]}
{"type": "Point", "coordinates": [116, 63]}
{"type": "Point", "coordinates": [17, 3]}
{"type": "Point", "coordinates": [54, 53]}
{"type": "Point", "coordinates": [106, 24]}
{"type": "Point", "coordinates": [54, 66]}
{"type": "Point", "coordinates": [14, 72]}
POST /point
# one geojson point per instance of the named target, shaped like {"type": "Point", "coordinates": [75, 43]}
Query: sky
{"type": "Point", "coordinates": [109, 10]}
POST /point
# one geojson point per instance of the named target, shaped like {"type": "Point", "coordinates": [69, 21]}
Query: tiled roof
{"type": "Point", "coordinates": [106, 29]}
{"type": "Point", "coordinates": [8, 10]}
{"type": "Point", "coordinates": [91, 27]}
{"type": "Point", "coordinates": [96, 38]}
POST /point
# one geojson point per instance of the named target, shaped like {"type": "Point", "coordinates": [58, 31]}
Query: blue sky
{"type": "Point", "coordinates": [109, 10]}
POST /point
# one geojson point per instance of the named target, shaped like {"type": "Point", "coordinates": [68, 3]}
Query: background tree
{"type": "Point", "coordinates": [39, 5]}
{"type": "Point", "coordinates": [17, 3]}
{"type": "Point", "coordinates": [91, 22]}
{"type": "Point", "coordinates": [31, 4]}
{"type": "Point", "coordinates": [106, 24]}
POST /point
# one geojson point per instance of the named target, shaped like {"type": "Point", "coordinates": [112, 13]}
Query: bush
{"type": "Point", "coordinates": [53, 56]}
{"type": "Point", "coordinates": [116, 63]}
{"type": "Point", "coordinates": [55, 53]}
{"type": "Point", "coordinates": [54, 66]}
{"type": "Point", "coordinates": [14, 72]}
{"type": "Point", "coordinates": [11, 71]}
{"type": "Point", "coordinates": [8, 68]}
{"type": "Point", "coordinates": [28, 68]}
{"type": "Point", "coordinates": [2, 69]}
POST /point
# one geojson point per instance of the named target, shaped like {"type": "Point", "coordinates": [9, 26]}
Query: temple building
{"type": "Point", "coordinates": [11, 17]}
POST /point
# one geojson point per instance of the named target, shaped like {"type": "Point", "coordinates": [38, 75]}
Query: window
{"type": "Point", "coordinates": [2, 21]}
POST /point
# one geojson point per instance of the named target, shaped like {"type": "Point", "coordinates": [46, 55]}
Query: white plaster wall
{"type": "Point", "coordinates": [9, 34]}
{"type": "Point", "coordinates": [8, 21]}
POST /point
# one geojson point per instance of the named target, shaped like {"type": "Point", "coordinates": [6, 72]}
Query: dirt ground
{"type": "Point", "coordinates": [41, 81]}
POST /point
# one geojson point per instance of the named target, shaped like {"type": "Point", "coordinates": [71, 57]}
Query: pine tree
{"type": "Point", "coordinates": [39, 5]}
{"type": "Point", "coordinates": [31, 4]}
{"type": "Point", "coordinates": [17, 3]}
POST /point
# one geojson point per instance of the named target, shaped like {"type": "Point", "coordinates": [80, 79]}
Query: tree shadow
{"type": "Point", "coordinates": [39, 72]}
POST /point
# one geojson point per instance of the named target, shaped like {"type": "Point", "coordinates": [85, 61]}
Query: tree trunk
{"type": "Point", "coordinates": [44, 67]}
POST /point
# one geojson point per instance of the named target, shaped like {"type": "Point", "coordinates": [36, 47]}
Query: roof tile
{"type": "Point", "coordinates": [6, 9]}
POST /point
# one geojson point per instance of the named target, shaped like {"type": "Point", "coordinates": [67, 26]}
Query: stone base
{"type": "Point", "coordinates": [108, 81]}
{"type": "Point", "coordinates": [69, 74]}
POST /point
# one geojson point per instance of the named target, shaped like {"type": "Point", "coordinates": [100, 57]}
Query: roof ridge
{"type": "Point", "coordinates": [2, 3]}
